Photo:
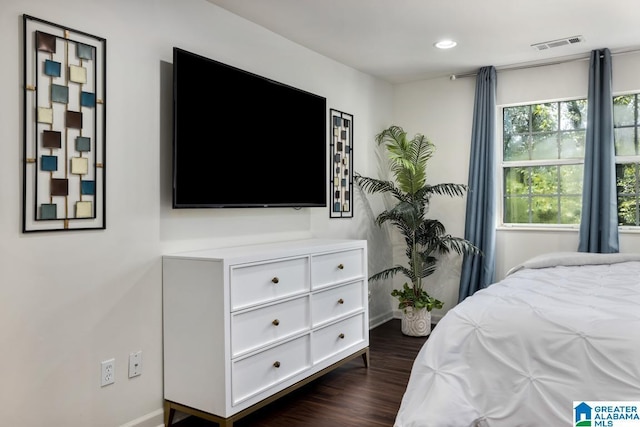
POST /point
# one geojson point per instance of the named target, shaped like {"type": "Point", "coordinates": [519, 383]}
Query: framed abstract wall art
{"type": "Point", "coordinates": [341, 165]}
{"type": "Point", "coordinates": [64, 128]}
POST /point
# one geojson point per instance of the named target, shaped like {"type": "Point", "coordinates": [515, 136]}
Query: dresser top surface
{"type": "Point", "coordinates": [281, 249]}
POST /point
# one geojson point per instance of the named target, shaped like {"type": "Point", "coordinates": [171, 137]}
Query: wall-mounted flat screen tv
{"type": "Point", "coordinates": [242, 140]}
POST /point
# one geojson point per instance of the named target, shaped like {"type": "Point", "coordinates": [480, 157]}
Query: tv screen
{"type": "Point", "coordinates": [242, 140]}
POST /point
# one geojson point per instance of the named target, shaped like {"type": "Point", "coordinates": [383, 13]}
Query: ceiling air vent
{"type": "Point", "coordinates": [558, 43]}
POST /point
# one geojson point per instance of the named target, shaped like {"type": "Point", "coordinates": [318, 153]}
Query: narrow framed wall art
{"type": "Point", "coordinates": [64, 128]}
{"type": "Point", "coordinates": [341, 165]}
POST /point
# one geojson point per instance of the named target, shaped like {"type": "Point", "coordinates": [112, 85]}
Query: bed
{"type": "Point", "coordinates": [559, 328]}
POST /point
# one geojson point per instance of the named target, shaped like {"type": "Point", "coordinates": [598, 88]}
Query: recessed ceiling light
{"type": "Point", "coordinates": [445, 44]}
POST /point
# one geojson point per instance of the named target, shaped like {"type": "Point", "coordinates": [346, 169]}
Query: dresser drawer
{"type": "Point", "coordinates": [255, 328]}
{"type": "Point", "coordinates": [328, 269]}
{"type": "Point", "coordinates": [333, 303]}
{"type": "Point", "coordinates": [259, 283]}
{"type": "Point", "coordinates": [337, 337]}
{"type": "Point", "coordinates": [266, 369]}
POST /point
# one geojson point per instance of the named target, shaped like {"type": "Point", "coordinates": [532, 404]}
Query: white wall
{"type": "Point", "coordinates": [443, 110]}
{"type": "Point", "coordinates": [71, 299]}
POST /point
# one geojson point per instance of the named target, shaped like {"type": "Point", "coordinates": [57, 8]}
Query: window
{"type": "Point", "coordinates": [543, 158]}
{"type": "Point", "coordinates": [626, 122]}
{"type": "Point", "coordinates": [543, 161]}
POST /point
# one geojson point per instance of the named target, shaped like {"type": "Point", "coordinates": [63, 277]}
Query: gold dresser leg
{"type": "Point", "coordinates": [169, 412]}
{"type": "Point", "coordinates": [365, 358]}
{"type": "Point", "coordinates": [171, 407]}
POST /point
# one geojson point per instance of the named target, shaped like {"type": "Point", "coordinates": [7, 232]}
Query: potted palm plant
{"type": "Point", "coordinates": [424, 237]}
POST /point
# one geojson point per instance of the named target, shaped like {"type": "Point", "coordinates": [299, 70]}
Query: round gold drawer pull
{"type": "Point", "coordinates": [276, 322]}
{"type": "Point", "coordinates": [275, 280]}
{"type": "Point", "coordinates": [340, 301]}
{"type": "Point", "coordinates": [276, 364]}
{"type": "Point", "coordinates": [340, 267]}
{"type": "Point", "coordinates": [341, 336]}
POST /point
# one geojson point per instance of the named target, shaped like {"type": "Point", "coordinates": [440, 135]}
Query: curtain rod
{"type": "Point", "coordinates": [523, 66]}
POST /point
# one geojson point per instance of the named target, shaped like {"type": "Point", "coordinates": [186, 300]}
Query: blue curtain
{"type": "Point", "coordinates": [599, 221]}
{"type": "Point", "coordinates": [480, 222]}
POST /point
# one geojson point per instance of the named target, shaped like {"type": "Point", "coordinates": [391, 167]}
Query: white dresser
{"type": "Point", "coordinates": [245, 325]}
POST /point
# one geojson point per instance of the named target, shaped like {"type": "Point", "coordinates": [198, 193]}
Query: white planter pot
{"type": "Point", "coordinates": [416, 323]}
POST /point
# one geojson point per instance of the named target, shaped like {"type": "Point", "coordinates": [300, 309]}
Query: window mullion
{"type": "Point", "coordinates": [551, 162]}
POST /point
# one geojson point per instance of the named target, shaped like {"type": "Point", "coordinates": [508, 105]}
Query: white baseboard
{"type": "Point", "coordinates": [152, 419]}
{"type": "Point", "coordinates": [379, 320]}
{"type": "Point", "coordinates": [155, 419]}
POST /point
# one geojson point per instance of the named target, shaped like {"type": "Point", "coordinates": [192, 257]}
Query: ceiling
{"type": "Point", "coordinates": [393, 39]}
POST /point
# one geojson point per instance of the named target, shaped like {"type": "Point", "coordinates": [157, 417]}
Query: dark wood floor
{"type": "Point", "coordinates": [350, 396]}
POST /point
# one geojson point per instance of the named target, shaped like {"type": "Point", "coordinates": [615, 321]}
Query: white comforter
{"type": "Point", "coordinates": [559, 329]}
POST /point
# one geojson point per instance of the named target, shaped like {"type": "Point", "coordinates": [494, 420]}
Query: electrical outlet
{"type": "Point", "coordinates": [107, 372]}
{"type": "Point", "coordinates": [135, 364]}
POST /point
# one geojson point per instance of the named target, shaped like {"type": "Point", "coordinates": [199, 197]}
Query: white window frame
{"type": "Point", "coordinates": [502, 164]}
{"type": "Point", "coordinates": [628, 160]}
